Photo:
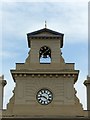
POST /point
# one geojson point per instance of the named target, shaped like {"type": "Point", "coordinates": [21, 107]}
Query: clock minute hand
{"type": "Point", "coordinates": [45, 51]}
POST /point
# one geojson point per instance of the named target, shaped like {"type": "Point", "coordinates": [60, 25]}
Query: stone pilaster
{"type": "Point", "coordinates": [2, 84]}
{"type": "Point", "coordinates": [87, 84]}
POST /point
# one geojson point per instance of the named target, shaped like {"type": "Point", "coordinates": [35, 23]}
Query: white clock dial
{"type": "Point", "coordinates": [44, 96]}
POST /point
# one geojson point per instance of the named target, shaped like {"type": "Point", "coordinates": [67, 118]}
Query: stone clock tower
{"type": "Point", "coordinates": [45, 83]}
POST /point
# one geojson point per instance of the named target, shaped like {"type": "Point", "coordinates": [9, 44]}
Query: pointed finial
{"type": "Point", "coordinates": [45, 24]}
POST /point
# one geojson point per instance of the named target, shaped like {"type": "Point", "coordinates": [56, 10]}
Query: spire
{"type": "Point", "coordinates": [45, 24]}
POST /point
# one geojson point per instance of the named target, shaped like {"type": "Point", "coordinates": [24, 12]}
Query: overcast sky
{"type": "Point", "coordinates": [20, 17]}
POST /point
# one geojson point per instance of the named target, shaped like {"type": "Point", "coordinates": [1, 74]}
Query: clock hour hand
{"type": "Point", "coordinates": [44, 97]}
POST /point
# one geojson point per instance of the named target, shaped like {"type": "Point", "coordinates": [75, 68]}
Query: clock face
{"type": "Point", "coordinates": [45, 52]}
{"type": "Point", "coordinates": [44, 96]}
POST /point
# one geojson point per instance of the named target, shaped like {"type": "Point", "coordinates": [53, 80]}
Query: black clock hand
{"type": "Point", "coordinates": [44, 97]}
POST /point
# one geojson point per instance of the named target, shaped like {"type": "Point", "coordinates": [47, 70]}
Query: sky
{"type": "Point", "coordinates": [19, 17]}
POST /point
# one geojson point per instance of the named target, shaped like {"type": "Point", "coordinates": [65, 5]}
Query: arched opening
{"type": "Point", "coordinates": [45, 55]}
